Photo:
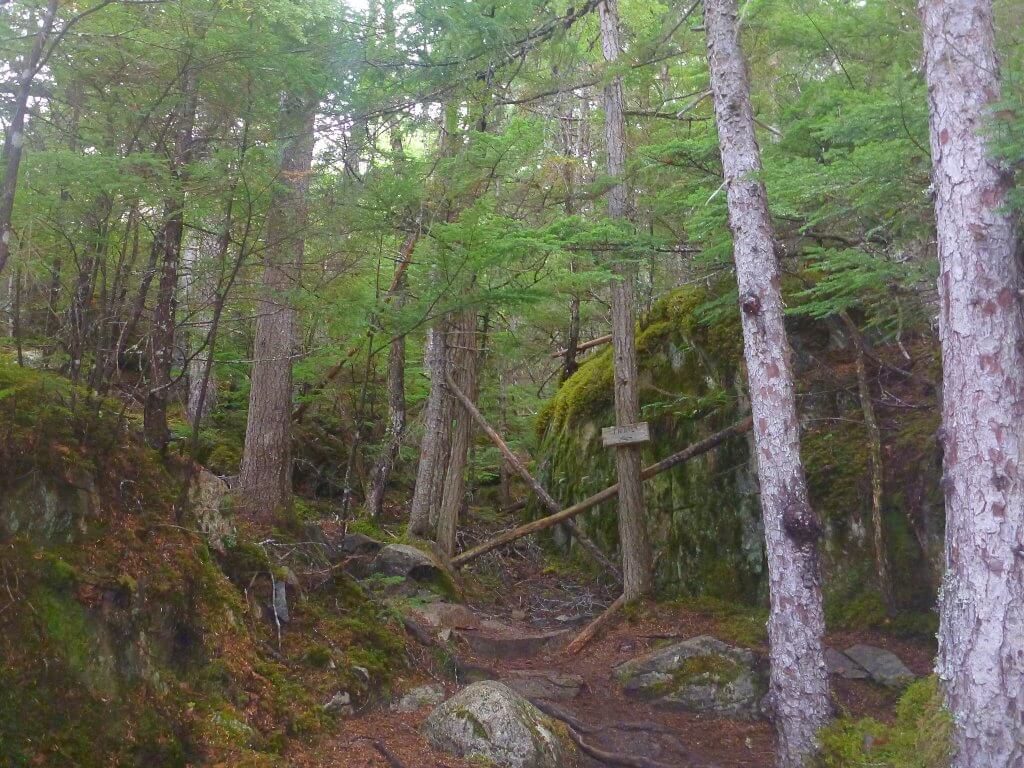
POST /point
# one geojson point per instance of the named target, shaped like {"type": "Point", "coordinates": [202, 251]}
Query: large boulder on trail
{"type": "Point", "coordinates": [701, 674]}
{"type": "Point", "coordinates": [488, 721]}
{"type": "Point", "coordinates": [408, 561]}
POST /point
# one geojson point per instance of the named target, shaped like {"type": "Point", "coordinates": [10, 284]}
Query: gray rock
{"type": "Point", "coordinates": [408, 561]}
{"type": "Point", "coordinates": [843, 666]}
{"type": "Point", "coordinates": [490, 721]}
{"type": "Point", "coordinates": [544, 684]}
{"type": "Point", "coordinates": [510, 645]}
{"type": "Point", "coordinates": [206, 496]}
{"type": "Point", "coordinates": [280, 598]}
{"type": "Point", "coordinates": [46, 510]}
{"type": "Point", "coordinates": [883, 666]}
{"type": "Point", "coordinates": [418, 698]}
{"type": "Point", "coordinates": [359, 544]}
{"type": "Point", "coordinates": [701, 674]}
{"type": "Point", "coordinates": [340, 704]}
{"type": "Point", "coordinates": [445, 615]}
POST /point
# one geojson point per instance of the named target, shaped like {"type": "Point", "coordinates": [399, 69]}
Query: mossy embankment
{"type": "Point", "coordinates": [704, 516]}
{"type": "Point", "coordinates": [130, 640]}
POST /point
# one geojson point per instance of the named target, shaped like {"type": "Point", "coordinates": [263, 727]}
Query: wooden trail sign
{"type": "Point", "coordinates": [630, 434]}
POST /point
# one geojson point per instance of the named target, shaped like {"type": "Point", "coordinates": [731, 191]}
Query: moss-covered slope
{"type": "Point", "coordinates": [704, 516]}
{"type": "Point", "coordinates": [127, 641]}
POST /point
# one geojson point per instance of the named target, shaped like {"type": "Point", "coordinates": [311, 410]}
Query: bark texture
{"type": "Point", "coordinates": [433, 447]}
{"type": "Point", "coordinates": [464, 358]}
{"type": "Point", "coordinates": [636, 554]}
{"type": "Point", "coordinates": [799, 680]}
{"type": "Point", "coordinates": [265, 480]}
{"type": "Point", "coordinates": [396, 421]}
{"type": "Point", "coordinates": [981, 634]}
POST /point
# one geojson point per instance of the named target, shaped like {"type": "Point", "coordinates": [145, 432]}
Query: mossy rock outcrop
{"type": "Point", "coordinates": [701, 674]}
{"type": "Point", "coordinates": [704, 516]}
{"type": "Point", "coordinates": [127, 641]}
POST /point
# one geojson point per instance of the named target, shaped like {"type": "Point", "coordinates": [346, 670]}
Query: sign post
{"type": "Point", "coordinates": [630, 434]}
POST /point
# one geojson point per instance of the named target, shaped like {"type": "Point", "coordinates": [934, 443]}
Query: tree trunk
{"type": "Point", "coordinates": [436, 423]}
{"type": "Point", "coordinates": [265, 479]}
{"type": "Point", "coordinates": [396, 420]}
{"type": "Point", "coordinates": [877, 471]}
{"type": "Point", "coordinates": [161, 334]}
{"type": "Point", "coordinates": [200, 291]}
{"type": "Point", "coordinates": [15, 133]}
{"type": "Point", "coordinates": [636, 555]}
{"type": "Point", "coordinates": [463, 366]}
{"type": "Point", "coordinates": [799, 679]}
{"type": "Point", "coordinates": [981, 633]}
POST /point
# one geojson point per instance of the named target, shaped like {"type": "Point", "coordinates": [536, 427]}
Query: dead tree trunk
{"type": "Point", "coordinates": [636, 553]}
{"type": "Point", "coordinates": [799, 679]}
{"type": "Point", "coordinates": [463, 368]}
{"type": "Point", "coordinates": [877, 471]}
{"type": "Point", "coordinates": [981, 633]}
{"type": "Point", "coordinates": [265, 479]}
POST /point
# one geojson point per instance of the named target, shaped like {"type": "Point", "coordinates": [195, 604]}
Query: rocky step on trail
{"type": "Point", "coordinates": [656, 690]}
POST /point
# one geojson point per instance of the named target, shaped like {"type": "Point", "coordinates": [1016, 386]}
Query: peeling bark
{"type": "Point", "coordinates": [981, 633]}
{"type": "Point", "coordinates": [799, 688]}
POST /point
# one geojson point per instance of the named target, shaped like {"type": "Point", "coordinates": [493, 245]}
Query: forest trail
{"type": "Point", "coordinates": [516, 630]}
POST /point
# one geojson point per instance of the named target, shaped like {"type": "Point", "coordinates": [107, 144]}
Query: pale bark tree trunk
{"type": "Point", "coordinates": [981, 634]}
{"type": "Point", "coordinates": [15, 134]}
{"type": "Point", "coordinates": [636, 555]}
{"type": "Point", "coordinates": [463, 361]}
{"type": "Point", "coordinates": [799, 680]}
{"type": "Point", "coordinates": [265, 479]}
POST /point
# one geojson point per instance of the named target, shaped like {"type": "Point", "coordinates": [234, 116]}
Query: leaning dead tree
{"type": "Point", "coordinates": [799, 679]}
{"type": "Point", "coordinates": [981, 633]}
{"type": "Point", "coordinates": [545, 498]}
{"type": "Point", "coordinates": [567, 514]}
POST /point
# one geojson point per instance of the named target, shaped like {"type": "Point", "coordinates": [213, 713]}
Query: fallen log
{"type": "Point", "coordinates": [590, 631]}
{"type": "Point", "coordinates": [513, 461]}
{"type": "Point", "coordinates": [584, 346]}
{"type": "Point", "coordinates": [608, 493]}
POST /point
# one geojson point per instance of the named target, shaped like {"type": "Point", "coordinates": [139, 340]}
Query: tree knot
{"type": "Point", "coordinates": [751, 304]}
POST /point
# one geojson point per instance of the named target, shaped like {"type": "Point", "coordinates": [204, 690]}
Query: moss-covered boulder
{"type": "Point", "coordinates": [701, 674]}
{"type": "Point", "coordinates": [704, 516]}
{"type": "Point", "coordinates": [488, 721]}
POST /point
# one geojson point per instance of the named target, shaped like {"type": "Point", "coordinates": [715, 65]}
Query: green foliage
{"type": "Point", "coordinates": [920, 737]}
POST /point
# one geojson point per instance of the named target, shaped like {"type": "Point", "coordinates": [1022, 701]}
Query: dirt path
{"type": "Point", "coordinates": [515, 601]}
